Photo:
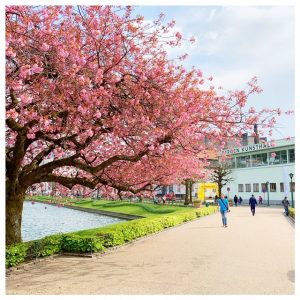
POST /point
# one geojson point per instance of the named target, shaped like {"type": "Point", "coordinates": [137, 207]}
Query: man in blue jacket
{"type": "Point", "coordinates": [252, 203]}
{"type": "Point", "coordinates": [223, 208]}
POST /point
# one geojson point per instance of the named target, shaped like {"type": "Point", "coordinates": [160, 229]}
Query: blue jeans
{"type": "Point", "coordinates": [224, 217]}
{"type": "Point", "coordinates": [286, 211]}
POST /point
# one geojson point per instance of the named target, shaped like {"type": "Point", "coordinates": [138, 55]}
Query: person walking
{"type": "Point", "coordinates": [286, 203]}
{"type": "Point", "coordinates": [252, 203]}
{"type": "Point", "coordinates": [216, 198]}
{"type": "Point", "coordinates": [260, 200]}
{"type": "Point", "coordinates": [223, 208]}
{"type": "Point", "coordinates": [240, 200]}
{"type": "Point", "coordinates": [235, 199]}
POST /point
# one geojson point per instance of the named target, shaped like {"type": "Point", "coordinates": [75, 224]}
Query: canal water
{"type": "Point", "coordinates": [40, 220]}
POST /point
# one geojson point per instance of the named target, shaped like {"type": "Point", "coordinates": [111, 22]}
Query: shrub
{"type": "Point", "coordinates": [45, 246]}
{"type": "Point", "coordinates": [79, 244]}
{"type": "Point", "coordinates": [21, 252]}
{"type": "Point", "coordinates": [292, 212]}
{"type": "Point", "coordinates": [15, 254]}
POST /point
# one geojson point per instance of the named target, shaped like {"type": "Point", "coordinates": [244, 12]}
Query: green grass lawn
{"type": "Point", "coordinates": [132, 208]}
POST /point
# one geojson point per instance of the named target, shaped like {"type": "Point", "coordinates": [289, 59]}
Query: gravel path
{"type": "Point", "coordinates": [253, 255]}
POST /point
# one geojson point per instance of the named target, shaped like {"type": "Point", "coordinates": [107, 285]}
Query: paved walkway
{"type": "Point", "coordinates": [254, 255]}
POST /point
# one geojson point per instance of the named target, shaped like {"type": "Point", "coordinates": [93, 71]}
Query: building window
{"type": "Point", "coordinates": [243, 161]}
{"type": "Point", "coordinates": [248, 187]}
{"type": "Point", "coordinates": [263, 187]}
{"type": "Point", "coordinates": [241, 188]}
{"type": "Point", "coordinates": [292, 186]}
{"type": "Point", "coordinates": [259, 159]}
{"type": "Point", "coordinates": [279, 158]}
{"type": "Point", "coordinates": [291, 155]}
{"type": "Point", "coordinates": [230, 163]}
{"type": "Point", "coordinates": [255, 187]}
{"type": "Point", "coordinates": [178, 188]}
{"type": "Point", "coordinates": [272, 187]}
{"type": "Point", "coordinates": [281, 187]}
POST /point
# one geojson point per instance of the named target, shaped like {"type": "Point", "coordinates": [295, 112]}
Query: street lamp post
{"type": "Point", "coordinates": [267, 186]}
{"type": "Point", "coordinates": [291, 188]}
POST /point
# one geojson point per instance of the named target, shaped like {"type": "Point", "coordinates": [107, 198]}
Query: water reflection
{"type": "Point", "coordinates": [41, 219]}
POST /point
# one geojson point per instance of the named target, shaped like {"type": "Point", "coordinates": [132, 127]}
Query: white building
{"type": "Point", "coordinates": [262, 169]}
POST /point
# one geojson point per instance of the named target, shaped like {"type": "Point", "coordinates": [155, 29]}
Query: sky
{"type": "Point", "coordinates": [235, 43]}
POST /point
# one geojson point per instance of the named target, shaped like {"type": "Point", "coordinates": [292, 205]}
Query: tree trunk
{"type": "Point", "coordinates": [186, 199]}
{"type": "Point", "coordinates": [14, 209]}
{"type": "Point", "coordinates": [191, 191]}
{"type": "Point", "coordinates": [219, 189]}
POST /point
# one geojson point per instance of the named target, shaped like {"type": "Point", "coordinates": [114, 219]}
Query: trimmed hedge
{"type": "Point", "coordinates": [46, 246]}
{"type": "Point", "coordinates": [97, 240]}
{"type": "Point", "coordinates": [15, 254]}
{"type": "Point", "coordinates": [292, 212]}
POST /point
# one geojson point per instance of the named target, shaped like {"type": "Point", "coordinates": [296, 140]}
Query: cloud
{"type": "Point", "coordinates": [235, 43]}
{"type": "Point", "coordinates": [242, 40]}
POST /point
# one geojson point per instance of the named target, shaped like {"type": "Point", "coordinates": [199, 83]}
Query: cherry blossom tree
{"type": "Point", "coordinates": [93, 100]}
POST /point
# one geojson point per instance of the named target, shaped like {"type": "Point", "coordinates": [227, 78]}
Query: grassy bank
{"type": "Point", "coordinates": [156, 218]}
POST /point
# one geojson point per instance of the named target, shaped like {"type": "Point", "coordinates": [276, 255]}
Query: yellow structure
{"type": "Point", "coordinates": [207, 190]}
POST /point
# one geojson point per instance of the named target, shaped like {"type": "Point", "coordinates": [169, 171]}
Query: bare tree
{"type": "Point", "coordinates": [221, 175]}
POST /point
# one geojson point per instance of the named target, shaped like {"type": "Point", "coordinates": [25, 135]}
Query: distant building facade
{"type": "Point", "coordinates": [263, 170]}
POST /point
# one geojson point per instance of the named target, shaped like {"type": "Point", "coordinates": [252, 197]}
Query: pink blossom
{"type": "Point", "coordinates": [172, 23]}
{"type": "Point", "coordinates": [36, 69]}
{"type": "Point", "coordinates": [24, 71]}
{"type": "Point", "coordinates": [12, 114]}
{"type": "Point", "coordinates": [89, 132]}
{"type": "Point", "coordinates": [192, 39]}
{"type": "Point", "coordinates": [25, 99]}
{"type": "Point", "coordinates": [98, 114]}
{"type": "Point", "coordinates": [252, 110]}
{"type": "Point", "coordinates": [11, 53]}
{"type": "Point", "coordinates": [82, 61]}
{"type": "Point", "coordinates": [199, 73]}
{"type": "Point", "coordinates": [62, 53]}
{"type": "Point", "coordinates": [99, 76]}
{"type": "Point", "coordinates": [45, 47]}
{"type": "Point", "coordinates": [31, 135]}
{"type": "Point", "coordinates": [178, 35]}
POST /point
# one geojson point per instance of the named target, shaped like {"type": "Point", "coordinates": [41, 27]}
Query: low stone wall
{"type": "Point", "coordinates": [104, 212]}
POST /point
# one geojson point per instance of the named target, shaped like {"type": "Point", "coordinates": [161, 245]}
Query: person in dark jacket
{"type": "Point", "coordinates": [240, 200]}
{"type": "Point", "coordinates": [235, 199]}
{"type": "Point", "coordinates": [252, 203]}
{"type": "Point", "coordinates": [286, 203]}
